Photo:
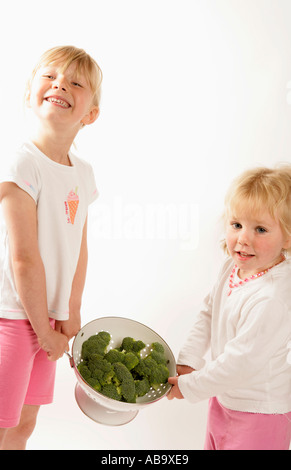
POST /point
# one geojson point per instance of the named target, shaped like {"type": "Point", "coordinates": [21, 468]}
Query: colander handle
{"type": "Point", "coordinates": [70, 358]}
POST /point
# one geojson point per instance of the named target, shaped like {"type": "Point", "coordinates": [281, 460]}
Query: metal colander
{"type": "Point", "coordinates": [97, 406]}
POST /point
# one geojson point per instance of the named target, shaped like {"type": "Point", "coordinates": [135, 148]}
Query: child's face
{"type": "Point", "coordinates": [255, 243]}
{"type": "Point", "coordinates": [62, 98]}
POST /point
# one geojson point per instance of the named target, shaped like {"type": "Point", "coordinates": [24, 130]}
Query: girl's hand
{"type": "Point", "coordinates": [182, 370]}
{"type": "Point", "coordinates": [54, 343]}
{"type": "Point", "coordinates": [69, 327]}
{"type": "Point", "coordinates": [175, 391]}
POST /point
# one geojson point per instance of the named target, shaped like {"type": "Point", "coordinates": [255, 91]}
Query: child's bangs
{"type": "Point", "coordinates": [85, 65]}
{"type": "Point", "coordinates": [251, 205]}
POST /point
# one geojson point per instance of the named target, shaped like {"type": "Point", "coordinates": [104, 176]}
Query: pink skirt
{"type": "Point", "coordinates": [237, 430]}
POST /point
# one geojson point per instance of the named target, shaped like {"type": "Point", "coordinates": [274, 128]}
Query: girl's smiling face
{"type": "Point", "coordinates": [62, 97]}
{"type": "Point", "coordinates": [255, 242]}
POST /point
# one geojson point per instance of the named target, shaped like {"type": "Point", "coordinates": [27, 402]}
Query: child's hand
{"type": "Point", "coordinates": [54, 343]}
{"type": "Point", "coordinates": [175, 391]}
{"type": "Point", "coordinates": [69, 327]}
{"type": "Point", "coordinates": [182, 370]}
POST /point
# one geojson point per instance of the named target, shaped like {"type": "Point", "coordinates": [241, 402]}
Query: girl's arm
{"type": "Point", "coordinates": [249, 357]}
{"type": "Point", "coordinates": [20, 214]}
{"type": "Point", "coordinates": [71, 327]}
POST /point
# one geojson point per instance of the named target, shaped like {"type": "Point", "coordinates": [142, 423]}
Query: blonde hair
{"type": "Point", "coordinates": [262, 189]}
{"type": "Point", "coordinates": [85, 64]}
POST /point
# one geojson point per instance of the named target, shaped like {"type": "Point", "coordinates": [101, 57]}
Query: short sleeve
{"type": "Point", "coordinates": [24, 173]}
{"type": "Point", "coordinates": [91, 185]}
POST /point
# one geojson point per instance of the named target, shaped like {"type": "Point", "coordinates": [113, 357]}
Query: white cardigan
{"type": "Point", "coordinates": [248, 333]}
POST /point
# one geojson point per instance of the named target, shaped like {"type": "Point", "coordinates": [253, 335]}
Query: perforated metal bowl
{"type": "Point", "coordinates": [98, 407]}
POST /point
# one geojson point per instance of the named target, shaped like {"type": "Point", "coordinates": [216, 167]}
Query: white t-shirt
{"type": "Point", "coordinates": [249, 334]}
{"type": "Point", "coordinates": [62, 195]}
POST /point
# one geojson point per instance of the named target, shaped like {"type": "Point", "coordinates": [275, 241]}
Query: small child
{"type": "Point", "coordinates": [246, 321]}
{"type": "Point", "coordinates": [43, 251]}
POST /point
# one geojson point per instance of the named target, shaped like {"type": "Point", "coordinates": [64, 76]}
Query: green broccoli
{"type": "Point", "coordinates": [158, 353]}
{"type": "Point", "coordinates": [112, 391]}
{"type": "Point", "coordinates": [130, 345]}
{"type": "Point", "coordinates": [100, 368]}
{"type": "Point", "coordinates": [160, 376]}
{"type": "Point", "coordinates": [114, 355]}
{"type": "Point", "coordinates": [146, 366]}
{"type": "Point", "coordinates": [130, 360]}
{"type": "Point", "coordinates": [121, 374]}
{"type": "Point", "coordinates": [142, 387]}
{"type": "Point", "coordinates": [94, 383]}
{"type": "Point", "coordinates": [159, 358]}
{"type": "Point", "coordinates": [138, 346]}
{"type": "Point", "coordinates": [84, 371]}
{"type": "Point", "coordinates": [96, 344]}
{"type": "Point", "coordinates": [156, 373]}
{"type": "Point", "coordinates": [107, 377]}
{"type": "Point", "coordinates": [127, 385]}
{"type": "Point", "coordinates": [158, 347]}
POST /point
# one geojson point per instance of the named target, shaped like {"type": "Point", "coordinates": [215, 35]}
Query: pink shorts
{"type": "Point", "coordinates": [237, 430]}
{"type": "Point", "coordinates": [26, 375]}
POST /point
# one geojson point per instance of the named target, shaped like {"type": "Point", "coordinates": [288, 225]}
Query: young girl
{"type": "Point", "coordinates": [43, 252]}
{"type": "Point", "coordinates": [246, 320]}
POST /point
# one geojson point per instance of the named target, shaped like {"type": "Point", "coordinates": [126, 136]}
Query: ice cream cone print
{"type": "Point", "coordinates": [73, 202]}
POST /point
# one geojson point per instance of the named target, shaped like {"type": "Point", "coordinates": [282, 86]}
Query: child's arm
{"type": "Point", "coordinates": [20, 214]}
{"type": "Point", "coordinates": [71, 327]}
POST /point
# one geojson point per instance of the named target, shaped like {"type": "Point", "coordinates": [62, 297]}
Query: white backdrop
{"type": "Point", "coordinates": [194, 92]}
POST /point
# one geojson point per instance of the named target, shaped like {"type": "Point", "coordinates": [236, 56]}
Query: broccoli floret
{"type": "Point", "coordinates": [158, 357]}
{"type": "Point", "coordinates": [144, 368]}
{"type": "Point", "coordinates": [96, 344]}
{"type": "Point", "coordinates": [114, 355]}
{"type": "Point", "coordinates": [84, 371]}
{"type": "Point", "coordinates": [142, 387]}
{"type": "Point", "coordinates": [105, 336]}
{"type": "Point", "coordinates": [107, 377]}
{"type": "Point", "coordinates": [158, 347]}
{"type": "Point", "coordinates": [156, 373]}
{"type": "Point", "coordinates": [88, 348]}
{"type": "Point", "coordinates": [129, 344]}
{"type": "Point", "coordinates": [127, 385]}
{"type": "Point", "coordinates": [96, 361]}
{"type": "Point", "coordinates": [130, 360]}
{"type": "Point", "coordinates": [138, 346]}
{"type": "Point", "coordinates": [158, 353]}
{"type": "Point", "coordinates": [112, 391]}
{"type": "Point", "coordinates": [94, 383]}
{"type": "Point", "coordinates": [100, 368]}
{"type": "Point", "coordinates": [160, 376]}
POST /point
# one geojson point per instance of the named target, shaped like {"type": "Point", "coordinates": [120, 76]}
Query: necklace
{"type": "Point", "coordinates": [231, 284]}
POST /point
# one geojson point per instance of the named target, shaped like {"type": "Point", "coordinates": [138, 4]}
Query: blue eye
{"type": "Point", "coordinates": [261, 230]}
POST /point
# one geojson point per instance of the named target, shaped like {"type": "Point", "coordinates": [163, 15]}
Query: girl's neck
{"type": "Point", "coordinates": [55, 147]}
